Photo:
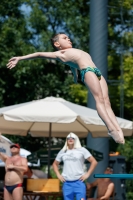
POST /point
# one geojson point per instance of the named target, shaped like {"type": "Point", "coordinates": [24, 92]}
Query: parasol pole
{"type": "Point", "coordinates": [49, 148]}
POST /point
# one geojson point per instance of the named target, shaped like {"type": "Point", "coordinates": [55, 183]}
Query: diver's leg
{"type": "Point", "coordinates": [109, 110]}
{"type": "Point", "coordinates": [92, 82]}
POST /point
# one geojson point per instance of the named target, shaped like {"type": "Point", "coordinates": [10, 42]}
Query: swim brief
{"type": "Point", "coordinates": [12, 187]}
{"type": "Point", "coordinates": [91, 69]}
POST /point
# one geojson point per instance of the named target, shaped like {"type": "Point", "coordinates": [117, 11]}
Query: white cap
{"type": "Point", "coordinates": [77, 143]}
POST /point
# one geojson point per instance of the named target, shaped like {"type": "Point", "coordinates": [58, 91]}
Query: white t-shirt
{"type": "Point", "coordinates": [73, 162]}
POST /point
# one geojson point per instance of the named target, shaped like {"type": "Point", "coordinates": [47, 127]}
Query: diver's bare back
{"type": "Point", "coordinates": [13, 176]}
{"type": "Point", "coordinates": [76, 58]}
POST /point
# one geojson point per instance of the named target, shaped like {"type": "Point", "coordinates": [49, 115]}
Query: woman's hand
{"type": "Point", "coordinates": [60, 177]}
{"type": "Point", "coordinates": [84, 177]}
{"type": "Point", "coordinates": [12, 62]}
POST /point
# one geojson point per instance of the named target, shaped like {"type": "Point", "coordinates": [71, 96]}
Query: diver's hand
{"type": "Point", "coordinates": [12, 62]}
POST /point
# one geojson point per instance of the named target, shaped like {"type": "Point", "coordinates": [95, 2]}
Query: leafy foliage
{"type": "Point", "coordinates": [27, 26]}
{"type": "Point", "coordinates": [120, 55]}
{"type": "Point", "coordinates": [120, 58]}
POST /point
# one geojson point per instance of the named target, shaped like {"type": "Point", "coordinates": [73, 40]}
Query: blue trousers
{"type": "Point", "coordinates": [73, 189]}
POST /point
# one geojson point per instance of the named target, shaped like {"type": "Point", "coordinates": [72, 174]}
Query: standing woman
{"type": "Point", "coordinates": [73, 176]}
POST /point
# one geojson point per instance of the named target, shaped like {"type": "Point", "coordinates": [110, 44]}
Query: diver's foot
{"type": "Point", "coordinates": [121, 135]}
{"type": "Point", "coordinates": [116, 136]}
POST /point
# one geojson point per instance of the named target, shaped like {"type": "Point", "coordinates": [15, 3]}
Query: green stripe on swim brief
{"type": "Point", "coordinates": [95, 70]}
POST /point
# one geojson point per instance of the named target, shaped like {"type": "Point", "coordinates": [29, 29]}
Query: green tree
{"type": "Point", "coordinates": [25, 33]}
{"type": "Point", "coordinates": [14, 40]}
{"type": "Point", "coordinates": [120, 53]}
{"type": "Point", "coordinates": [28, 32]}
{"type": "Point", "coordinates": [120, 71]}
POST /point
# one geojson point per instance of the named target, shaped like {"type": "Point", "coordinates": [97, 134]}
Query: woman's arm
{"type": "Point", "coordinates": [56, 170]}
{"type": "Point", "coordinates": [93, 164]}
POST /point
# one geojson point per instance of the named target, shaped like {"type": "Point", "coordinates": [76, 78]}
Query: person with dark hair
{"type": "Point", "coordinates": [73, 176]}
{"type": "Point", "coordinates": [105, 187]}
{"type": "Point", "coordinates": [15, 167]}
{"type": "Point", "coordinates": [90, 75]}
